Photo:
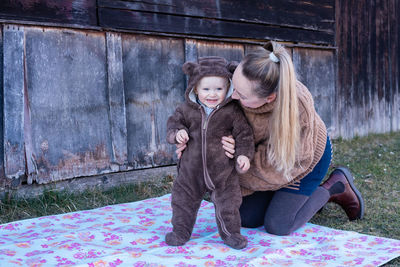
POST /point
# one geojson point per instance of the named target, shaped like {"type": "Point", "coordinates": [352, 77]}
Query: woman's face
{"type": "Point", "coordinates": [244, 90]}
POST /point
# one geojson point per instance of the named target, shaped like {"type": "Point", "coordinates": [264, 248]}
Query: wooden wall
{"type": "Point", "coordinates": [309, 22]}
{"type": "Point", "coordinates": [368, 84]}
{"type": "Point", "coordinates": [287, 20]}
{"type": "Point", "coordinates": [88, 85]}
{"type": "Point", "coordinates": [80, 12]}
{"type": "Point", "coordinates": [81, 103]}
{"type": "Point", "coordinates": [2, 180]}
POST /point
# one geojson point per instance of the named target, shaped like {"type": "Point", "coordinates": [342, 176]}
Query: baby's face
{"type": "Point", "coordinates": [211, 90]}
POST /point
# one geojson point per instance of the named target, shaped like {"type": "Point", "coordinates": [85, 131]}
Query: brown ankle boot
{"type": "Point", "coordinates": [350, 200]}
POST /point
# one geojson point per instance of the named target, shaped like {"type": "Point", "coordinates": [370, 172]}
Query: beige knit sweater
{"type": "Point", "coordinates": [262, 175]}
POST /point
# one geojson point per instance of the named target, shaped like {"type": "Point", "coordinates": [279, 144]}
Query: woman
{"type": "Point", "coordinates": [281, 190]}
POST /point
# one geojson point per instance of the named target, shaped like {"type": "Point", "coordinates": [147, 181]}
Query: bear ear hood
{"type": "Point", "coordinates": [188, 68]}
{"type": "Point", "coordinates": [207, 66]}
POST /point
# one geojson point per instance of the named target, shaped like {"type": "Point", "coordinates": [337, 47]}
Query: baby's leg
{"type": "Point", "coordinates": [185, 204]}
{"type": "Point", "coordinates": [227, 201]}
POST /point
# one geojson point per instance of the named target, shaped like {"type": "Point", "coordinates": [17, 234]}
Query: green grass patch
{"type": "Point", "coordinates": [53, 202]}
{"type": "Point", "coordinates": [375, 164]}
{"type": "Point", "coordinates": [374, 161]}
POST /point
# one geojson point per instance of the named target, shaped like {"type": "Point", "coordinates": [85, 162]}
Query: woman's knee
{"type": "Point", "coordinates": [277, 227]}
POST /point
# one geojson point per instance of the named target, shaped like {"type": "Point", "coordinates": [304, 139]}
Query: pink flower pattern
{"type": "Point", "coordinates": [132, 234]}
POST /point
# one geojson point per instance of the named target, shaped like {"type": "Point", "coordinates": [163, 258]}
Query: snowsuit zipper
{"type": "Point", "coordinates": [207, 179]}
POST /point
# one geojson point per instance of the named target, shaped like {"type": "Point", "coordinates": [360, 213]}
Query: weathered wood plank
{"type": "Point", "coordinates": [31, 170]}
{"type": "Point", "coordinates": [361, 72]}
{"type": "Point", "coordinates": [367, 66]}
{"type": "Point", "coordinates": [191, 53]}
{"type": "Point", "coordinates": [2, 176]}
{"type": "Point", "coordinates": [166, 23]}
{"type": "Point", "coordinates": [315, 69]}
{"type": "Point", "coordinates": [116, 97]}
{"type": "Point", "coordinates": [395, 63]}
{"type": "Point", "coordinates": [384, 56]}
{"type": "Point", "coordinates": [315, 15]}
{"type": "Point", "coordinates": [232, 52]}
{"type": "Point", "coordinates": [67, 78]}
{"type": "Point", "coordinates": [81, 12]}
{"type": "Point", "coordinates": [154, 86]}
{"type": "Point", "coordinates": [14, 156]}
{"type": "Point", "coordinates": [356, 72]}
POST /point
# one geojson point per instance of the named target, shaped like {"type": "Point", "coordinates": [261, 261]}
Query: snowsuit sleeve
{"type": "Point", "coordinates": [175, 123]}
{"type": "Point", "coordinates": [243, 135]}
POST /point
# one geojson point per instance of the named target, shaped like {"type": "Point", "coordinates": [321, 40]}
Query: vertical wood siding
{"type": "Point", "coordinates": [67, 87]}
{"type": "Point", "coordinates": [2, 177]}
{"type": "Point", "coordinates": [116, 103]}
{"type": "Point", "coordinates": [315, 69]}
{"type": "Point", "coordinates": [368, 66]}
{"type": "Point", "coordinates": [153, 83]}
{"type": "Point", "coordinates": [13, 90]}
{"type": "Point", "coordinates": [99, 102]}
{"type": "Point", "coordinates": [79, 102]}
{"type": "Point", "coordinates": [394, 62]}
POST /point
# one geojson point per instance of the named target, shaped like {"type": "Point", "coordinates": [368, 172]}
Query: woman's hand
{"type": "Point", "coordinates": [228, 144]}
{"type": "Point", "coordinates": [179, 149]}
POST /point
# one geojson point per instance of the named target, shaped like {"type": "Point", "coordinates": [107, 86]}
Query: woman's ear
{"type": "Point", "coordinates": [189, 67]}
{"type": "Point", "coordinates": [232, 66]}
{"type": "Point", "coordinates": [271, 97]}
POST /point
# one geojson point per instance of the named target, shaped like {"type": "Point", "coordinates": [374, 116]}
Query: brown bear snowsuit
{"type": "Point", "coordinates": [204, 167]}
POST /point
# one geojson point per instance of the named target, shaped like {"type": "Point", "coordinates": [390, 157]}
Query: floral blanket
{"type": "Point", "coordinates": [132, 234]}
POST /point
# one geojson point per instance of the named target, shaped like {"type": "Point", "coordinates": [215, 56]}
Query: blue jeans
{"type": "Point", "coordinates": [312, 180]}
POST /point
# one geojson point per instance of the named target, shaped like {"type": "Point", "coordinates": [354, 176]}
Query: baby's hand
{"type": "Point", "coordinates": [182, 137]}
{"type": "Point", "coordinates": [243, 162]}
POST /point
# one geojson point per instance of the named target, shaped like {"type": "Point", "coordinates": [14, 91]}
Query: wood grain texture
{"type": "Point", "coordinates": [14, 151]}
{"type": "Point", "coordinates": [67, 79]}
{"type": "Point", "coordinates": [394, 58]}
{"type": "Point", "coordinates": [313, 15]}
{"type": "Point", "coordinates": [367, 37]}
{"type": "Point", "coordinates": [2, 174]}
{"type": "Point", "coordinates": [116, 101]}
{"type": "Point", "coordinates": [154, 85]}
{"type": "Point", "coordinates": [210, 27]}
{"type": "Point", "coordinates": [315, 69]}
{"type": "Point", "coordinates": [81, 12]}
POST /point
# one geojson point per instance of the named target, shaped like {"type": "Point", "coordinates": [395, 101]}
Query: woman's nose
{"type": "Point", "coordinates": [235, 95]}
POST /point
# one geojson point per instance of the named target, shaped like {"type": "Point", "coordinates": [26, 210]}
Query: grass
{"type": "Point", "coordinates": [374, 161]}
{"type": "Point", "coordinates": [52, 202]}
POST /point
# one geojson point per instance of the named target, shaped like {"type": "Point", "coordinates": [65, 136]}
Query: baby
{"type": "Point", "coordinates": [201, 121]}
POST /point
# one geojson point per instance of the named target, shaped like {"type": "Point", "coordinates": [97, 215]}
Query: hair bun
{"type": "Point", "coordinates": [269, 46]}
{"type": "Point", "coordinates": [232, 66]}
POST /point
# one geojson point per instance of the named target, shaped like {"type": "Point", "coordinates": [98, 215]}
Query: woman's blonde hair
{"type": "Point", "coordinates": [275, 73]}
